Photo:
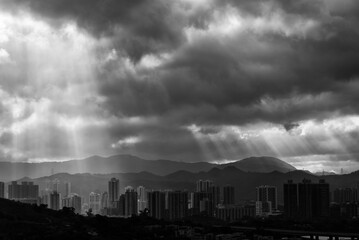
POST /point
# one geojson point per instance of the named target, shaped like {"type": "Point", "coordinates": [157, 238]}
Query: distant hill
{"type": "Point", "coordinates": [262, 164]}
{"type": "Point", "coordinates": [324, 173]}
{"type": "Point", "coordinates": [127, 163]}
{"type": "Point", "coordinates": [244, 182]}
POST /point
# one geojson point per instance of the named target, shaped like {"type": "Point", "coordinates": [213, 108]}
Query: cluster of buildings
{"type": "Point", "coordinates": [302, 200]}
{"type": "Point", "coordinates": [167, 204]}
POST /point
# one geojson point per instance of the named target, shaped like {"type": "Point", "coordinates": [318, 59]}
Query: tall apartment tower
{"type": "Point", "coordinates": [2, 190]}
{"type": "Point", "coordinates": [204, 185]}
{"type": "Point", "coordinates": [290, 192]}
{"type": "Point", "coordinates": [113, 192]}
{"type": "Point", "coordinates": [306, 199]}
{"type": "Point", "coordinates": [216, 193]}
{"type": "Point", "coordinates": [177, 205]}
{"type": "Point", "coordinates": [142, 198]}
{"type": "Point", "coordinates": [72, 201]}
{"type": "Point", "coordinates": [67, 189]}
{"type": "Point", "coordinates": [95, 202]}
{"type": "Point", "coordinates": [228, 195]}
{"type": "Point", "coordinates": [156, 204]}
{"type": "Point", "coordinates": [267, 194]}
{"type": "Point", "coordinates": [130, 202]}
{"type": "Point", "coordinates": [26, 192]}
{"type": "Point", "coordinates": [55, 203]}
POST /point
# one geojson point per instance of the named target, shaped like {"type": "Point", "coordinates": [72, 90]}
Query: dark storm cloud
{"type": "Point", "coordinates": [137, 27]}
{"type": "Point", "coordinates": [285, 62]}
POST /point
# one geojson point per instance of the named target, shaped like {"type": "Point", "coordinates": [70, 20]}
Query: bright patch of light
{"type": "Point", "coordinates": [126, 142]}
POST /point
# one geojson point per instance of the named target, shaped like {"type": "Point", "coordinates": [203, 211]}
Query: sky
{"type": "Point", "coordinates": [186, 80]}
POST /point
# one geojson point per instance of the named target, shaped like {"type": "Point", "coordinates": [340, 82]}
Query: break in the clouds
{"type": "Point", "coordinates": [186, 80]}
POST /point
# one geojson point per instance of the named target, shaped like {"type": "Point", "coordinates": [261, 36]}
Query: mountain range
{"type": "Point", "coordinates": [132, 164]}
{"type": "Point", "coordinates": [245, 183]}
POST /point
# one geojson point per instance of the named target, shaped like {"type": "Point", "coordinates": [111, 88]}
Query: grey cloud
{"type": "Point", "coordinates": [289, 126]}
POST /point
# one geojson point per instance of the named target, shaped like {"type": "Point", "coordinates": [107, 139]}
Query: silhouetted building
{"type": "Point", "coordinates": [232, 213]}
{"type": "Point", "coordinates": [313, 199]}
{"type": "Point", "coordinates": [45, 197]}
{"type": "Point", "coordinates": [104, 203]}
{"type": "Point", "coordinates": [55, 203]}
{"type": "Point", "coordinates": [216, 193]}
{"type": "Point", "coordinates": [345, 195]}
{"type": "Point", "coordinates": [156, 204]}
{"type": "Point", "coordinates": [290, 192]}
{"type": "Point", "coordinates": [142, 198]}
{"type": "Point", "coordinates": [2, 190]}
{"type": "Point", "coordinates": [72, 201]}
{"type": "Point", "coordinates": [27, 192]}
{"type": "Point", "coordinates": [202, 203]}
{"type": "Point", "coordinates": [228, 195]}
{"type": "Point", "coordinates": [95, 202]}
{"type": "Point", "coordinates": [349, 210]}
{"type": "Point", "coordinates": [113, 192]}
{"type": "Point", "coordinates": [130, 202]}
{"type": "Point", "coordinates": [204, 185]}
{"type": "Point", "coordinates": [121, 206]}
{"type": "Point", "coordinates": [266, 200]}
{"type": "Point", "coordinates": [177, 205]}
{"type": "Point", "coordinates": [321, 199]}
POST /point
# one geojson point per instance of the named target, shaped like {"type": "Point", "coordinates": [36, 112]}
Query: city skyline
{"type": "Point", "coordinates": [192, 81]}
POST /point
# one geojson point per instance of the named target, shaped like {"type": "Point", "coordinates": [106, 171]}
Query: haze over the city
{"type": "Point", "coordinates": [191, 81]}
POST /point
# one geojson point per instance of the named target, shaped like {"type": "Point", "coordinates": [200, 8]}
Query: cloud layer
{"type": "Point", "coordinates": [187, 80]}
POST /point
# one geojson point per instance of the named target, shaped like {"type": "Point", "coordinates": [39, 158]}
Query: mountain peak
{"type": "Point", "coordinates": [263, 164]}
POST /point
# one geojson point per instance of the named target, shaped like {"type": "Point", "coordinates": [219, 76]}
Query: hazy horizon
{"type": "Point", "coordinates": [181, 80]}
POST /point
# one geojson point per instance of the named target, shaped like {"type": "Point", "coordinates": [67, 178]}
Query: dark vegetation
{"type": "Point", "coordinates": [24, 221]}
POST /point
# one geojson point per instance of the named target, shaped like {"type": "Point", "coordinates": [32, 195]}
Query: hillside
{"type": "Point", "coordinates": [262, 164]}
{"type": "Point", "coordinates": [127, 163]}
{"type": "Point", "coordinates": [24, 221]}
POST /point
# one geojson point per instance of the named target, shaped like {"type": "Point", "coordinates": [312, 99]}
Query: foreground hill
{"type": "Point", "coordinates": [127, 163]}
{"type": "Point", "coordinates": [245, 183]}
{"type": "Point", "coordinates": [24, 221]}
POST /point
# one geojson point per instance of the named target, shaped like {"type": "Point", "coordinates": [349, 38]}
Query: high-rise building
{"type": "Point", "coordinates": [27, 192]}
{"type": "Point", "coordinates": [305, 198]}
{"type": "Point", "coordinates": [56, 185]}
{"type": "Point", "coordinates": [204, 185]}
{"type": "Point", "coordinates": [142, 198]}
{"type": "Point", "coordinates": [113, 192]}
{"type": "Point", "coordinates": [72, 201]}
{"type": "Point", "coordinates": [312, 199]}
{"type": "Point", "coordinates": [267, 194]}
{"type": "Point", "coordinates": [130, 202]}
{"type": "Point", "coordinates": [55, 203]}
{"type": "Point", "coordinates": [121, 205]}
{"type": "Point", "coordinates": [104, 203]}
{"type": "Point", "coordinates": [156, 204]}
{"type": "Point", "coordinates": [2, 190]}
{"type": "Point", "coordinates": [216, 193]}
{"type": "Point", "coordinates": [67, 189]}
{"type": "Point", "coordinates": [95, 202]}
{"type": "Point", "coordinates": [177, 205]}
{"type": "Point", "coordinates": [228, 195]}
{"type": "Point", "coordinates": [321, 199]}
{"type": "Point", "coordinates": [45, 197]}
{"type": "Point", "coordinates": [345, 195]}
{"type": "Point", "coordinates": [202, 203]}
{"type": "Point", "coordinates": [290, 192]}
